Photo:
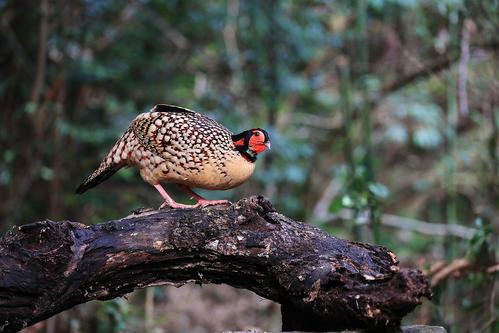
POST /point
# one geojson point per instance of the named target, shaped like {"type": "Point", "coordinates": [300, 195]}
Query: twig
{"type": "Point", "coordinates": [175, 36]}
{"type": "Point", "coordinates": [406, 223]}
{"type": "Point", "coordinates": [230, 39]}
{"type": "Point", "coordinates": [443, 270]}
{"type": "Point", "coordinates": [492, 303]}
{"type": "Point", "coordinates": [427, 70]}
{"type": "Point", "coordinates": [488, 324]}
{"type": "Point", "coordinates": [493, 268]}
{"type": "Point", "coordinates": [463, 68]}
{"type": "Point", "coordinates": [15, 44]}
{"type": "Point", "coordinates": [317, 121]}
{"type": "Point", "coordinates": [440, 64]}
{"type": "Point", "coordinates": [42, 53]}
{"type": "Point", "coordinates": [453, 267]}
{"type": "Point", "coordinates": [436, 229]}
{"type": "Point", "coordinates": [321, 207]}
{"type": "Point", "coordinates": [149, 310]}
{"type": "Point", "coordinates": [435, 267]}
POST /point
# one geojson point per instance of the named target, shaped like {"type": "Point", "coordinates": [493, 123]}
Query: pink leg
{"type": "Point", "coordinates": [202, 202]}
{"type": "Point", "coordinates": [168, 200]}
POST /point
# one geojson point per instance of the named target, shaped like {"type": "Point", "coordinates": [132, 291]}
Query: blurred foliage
{"type": "Point", "coordinates": [362, 100]}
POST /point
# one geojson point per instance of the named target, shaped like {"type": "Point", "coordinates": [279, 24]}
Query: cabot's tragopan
{"type": "Point", "coordinates": [176, 145]}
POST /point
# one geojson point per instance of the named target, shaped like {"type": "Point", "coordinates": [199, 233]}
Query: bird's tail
{"type": "Point", "coordinates": [98, 176]}
{"type": "Point", "coordinates": [114, 161]}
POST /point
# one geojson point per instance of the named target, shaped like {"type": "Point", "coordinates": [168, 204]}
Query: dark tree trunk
{"type": "Point", "coordinates": [322, 282]}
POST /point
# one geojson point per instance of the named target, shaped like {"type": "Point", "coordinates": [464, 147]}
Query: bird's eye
{"type": "Point", "coordinates": [257, 133]}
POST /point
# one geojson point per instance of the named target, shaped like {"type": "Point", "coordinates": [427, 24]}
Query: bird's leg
{"type": "Point", "coordinates": [201, 201]}
{"type": "Point", "coordinates": [168, 200]}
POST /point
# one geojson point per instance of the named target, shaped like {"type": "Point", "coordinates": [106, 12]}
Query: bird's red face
{"type": "Point", "coordinates": [252, 142]}
{"type": "Point", "coordinates": [258, 141]}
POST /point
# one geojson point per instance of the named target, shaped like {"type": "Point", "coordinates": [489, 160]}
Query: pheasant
{"type": "Point", "coordinates": [176, 145]}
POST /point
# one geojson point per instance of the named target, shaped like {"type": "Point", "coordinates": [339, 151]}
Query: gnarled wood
{"type": "Point", "coordinates": [322, 282]}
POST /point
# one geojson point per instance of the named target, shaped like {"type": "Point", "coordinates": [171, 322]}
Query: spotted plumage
{"type": "Point", "coordinates": [177, 145]}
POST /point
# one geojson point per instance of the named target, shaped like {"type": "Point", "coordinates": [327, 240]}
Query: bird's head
{"type": "Point", "coordinates": [251, 142]}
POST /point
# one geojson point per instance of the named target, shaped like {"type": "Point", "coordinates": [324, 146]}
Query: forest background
{"type": "Point", "coordinates": [383, 114]}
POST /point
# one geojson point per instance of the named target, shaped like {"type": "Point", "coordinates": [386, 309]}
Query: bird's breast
{"type": "Point", "coordinates": [219, 171]}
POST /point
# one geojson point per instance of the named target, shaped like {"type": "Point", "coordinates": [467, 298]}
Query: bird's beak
{"type": "Point", "coordinates": [267, 144]}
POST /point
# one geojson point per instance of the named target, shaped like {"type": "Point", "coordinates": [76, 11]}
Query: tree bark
{"type": "Point", "coordinates": [322, 282]}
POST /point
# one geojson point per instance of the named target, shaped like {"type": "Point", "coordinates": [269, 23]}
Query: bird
{"type": "Point", "coordinates": [172, 144]}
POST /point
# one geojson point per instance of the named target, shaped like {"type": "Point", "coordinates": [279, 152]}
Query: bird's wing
{"type": "Point", "coordinates": [140, 128]}
{"type": "Point", "coordinates": [173, 126]}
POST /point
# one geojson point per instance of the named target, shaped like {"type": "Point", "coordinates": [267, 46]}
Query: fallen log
{"type": "Point", "coordinates": [322, 282]}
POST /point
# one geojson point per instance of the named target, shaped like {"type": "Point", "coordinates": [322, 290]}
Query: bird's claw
{"type": "Point", "coordinates": [200, 203]}
{"type": "Point", "coordinates": [205, 203]}
{"type": "Point", "coordinates": [175, 205]}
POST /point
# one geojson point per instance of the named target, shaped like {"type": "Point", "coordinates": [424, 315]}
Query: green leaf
{"type": "Point", "coordinates": [347, 201]}
{"type": "Point", "coordinates": [336, 205]}
{"type": "Point", "coordinates": [397, 133]}
{"type": "Point", "coordinates": [427, 137]}
{"type": "Point", "coordinates": [46, 173]}
{"type": "Point", "coordinates": [380, 191]}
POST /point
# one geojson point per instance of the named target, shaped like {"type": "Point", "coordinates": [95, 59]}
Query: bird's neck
{"type": "Point", "coordinates": [248, 155]}
{"type": "Point", "coordinates": [241, 143]}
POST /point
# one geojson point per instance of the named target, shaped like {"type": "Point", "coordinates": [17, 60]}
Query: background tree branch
{"type": "Point", "coordinates": [322, 282]}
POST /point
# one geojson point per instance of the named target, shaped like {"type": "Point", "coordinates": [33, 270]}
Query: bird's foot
{"type": "Point", "coordinates": [204, 202]}
{"type": "Point", "coordinates": [173, 204]}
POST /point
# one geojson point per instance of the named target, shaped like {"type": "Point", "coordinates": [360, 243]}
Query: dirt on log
{"type": "Point", "coordinates": [322, 282]}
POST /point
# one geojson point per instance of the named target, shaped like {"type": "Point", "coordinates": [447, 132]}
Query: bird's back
{"type": "Point", "coordinates": [168, 129]}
